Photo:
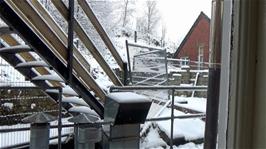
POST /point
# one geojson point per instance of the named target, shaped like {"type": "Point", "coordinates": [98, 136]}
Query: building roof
{"type": "Point", "coordinates": [201, 16]}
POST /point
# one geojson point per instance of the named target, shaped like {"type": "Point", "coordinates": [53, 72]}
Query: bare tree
{"type": "Point", "coordinates": [124, 9]}
{"type": "Point", "coordinates": [163, 31]}
{"type": "Point", "coordinates": [152, 15]}
{"type": "Point", "coordinates": [147, 23]}
{"type": "Point", "coordinates": [125, 13]}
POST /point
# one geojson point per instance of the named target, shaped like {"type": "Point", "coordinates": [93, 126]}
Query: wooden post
{"type": "Point", "coordinates": [128, 60]}
{"type": "Point", "coordinates": [211, 126]}
{"type": "Point", "coordinates": [135, 36]}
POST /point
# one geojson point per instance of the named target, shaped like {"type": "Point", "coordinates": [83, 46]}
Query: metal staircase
{"type": "Point", "coordinates": [43, 36]}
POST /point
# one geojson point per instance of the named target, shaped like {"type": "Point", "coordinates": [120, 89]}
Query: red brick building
{"type": "Point", "coordinates": [195, 45]}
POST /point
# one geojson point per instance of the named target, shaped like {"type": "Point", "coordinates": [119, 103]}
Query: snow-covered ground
{"type": "Point", "coordinates": [190, 129]}
{"type": "Point", "coordinates": [193, 103]}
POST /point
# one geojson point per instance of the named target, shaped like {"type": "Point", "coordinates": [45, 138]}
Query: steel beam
{"type": "Point", "coordinates": [70, 36]}
{"type": "Point", "coordinates": [13, 20]}
{"type": "Point", "coordinates": [86, 40]}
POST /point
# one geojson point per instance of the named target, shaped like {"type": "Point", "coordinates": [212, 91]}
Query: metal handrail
{"type": "Point", "coordinates": [171, 87]}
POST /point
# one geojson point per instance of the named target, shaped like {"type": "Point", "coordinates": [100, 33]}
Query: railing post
{"type": "Point", "coordinates": [59, 118]}
{"type": "Point", "coordinates": [39, 130]}
{"type": "Point", "coordinates": [172, 119]}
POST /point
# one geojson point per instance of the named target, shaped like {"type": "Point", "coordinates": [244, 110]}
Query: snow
{"type": "Point", "coordinates": [144, 46]}
{"type": "Point", "coordinates": [175, 69]}
{"type": "Point", "coordinates": [177, 75]}
{"type": "Point", "coordinates": [83, 109]}
{"type": "Point", "coordinates": [190, 129]}
{"type": "Point", "coordinates": [193, 103]}
{"type": "Point", "coordinates": [15, 49]}
{"type": "Point", "coordinates": [8, 105]}
{"type": "Point", "coordinates": [189, 146]}
{"type": "Point", "coordinates": [127, 97]}
{"type": "Point", "coordinates": [33, 105]}
{"type": "Point", "coordinates": [50, 77]}
{"type": "Point", "coordinates": [75, 100]}
{"type": "Point", "coordinates": [154, 109]}
{"type": "Point", "coordinates": [65, 90]}
{"type": "Point", "coordinates": [202, 70]}
{"type": "Point", "coordinates": [152, 140]}
{"type": "Point", "coordinates": [32, 63]}
{"type": "Point", "coordinates": [186, 85]}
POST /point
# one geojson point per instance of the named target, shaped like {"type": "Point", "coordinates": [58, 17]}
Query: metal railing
{"type": "Point", "coordinates": [22, 131]}
{"type": "Point", "coordinates": [171, 88]}
{"type": "Point", "coordinates": [17, 136]}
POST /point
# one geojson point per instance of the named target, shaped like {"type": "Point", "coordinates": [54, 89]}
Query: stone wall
{"type": "Point", "coordinates": [186, 77]}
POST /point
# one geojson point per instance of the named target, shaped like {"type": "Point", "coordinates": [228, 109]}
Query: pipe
{"type": "Point", "coordinates": [170, 87]}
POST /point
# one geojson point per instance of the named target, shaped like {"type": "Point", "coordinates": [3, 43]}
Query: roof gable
{"type": "Point", "coordinates": [202, 15]}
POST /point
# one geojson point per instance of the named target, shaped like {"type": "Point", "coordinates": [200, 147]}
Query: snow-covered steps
{"type": "Point", "coordinates": [74, 100]}
{"type": "Point", "coordinates": [5, 30]}
{"type": "Point", "coordinates": [83, 109]}
{"type": "Point", "coordinates": [65, 91]}
{"type": "Point", "coordinates": [50, 77]}
{"type": "Point", "coordinates": [15, 49]}
{"type": "Point", "coordinates": [31, 64]}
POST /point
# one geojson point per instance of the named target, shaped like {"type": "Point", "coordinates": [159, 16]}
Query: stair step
{"type": "Point", "coordinates": [65, 91]}
{"type": "Point", "coordinates": [50, 77]}
{"type": "Point", "coordinates": [74, 100]}
{"type": "Point", "coordinates": [15, 49]}
{"type": "Point", "coordinates": [31, 64]}
{"type": "Point", "coordinates": [83, 109]}
{"type": "Point", "coordinates": [5, 30]}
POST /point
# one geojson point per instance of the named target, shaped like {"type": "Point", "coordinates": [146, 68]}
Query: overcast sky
{"type": "Point", "coordinates": [179, 15]}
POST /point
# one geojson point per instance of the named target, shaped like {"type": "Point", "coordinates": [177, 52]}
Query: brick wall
{"type": "Point", "coordinates": [198, 36]}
